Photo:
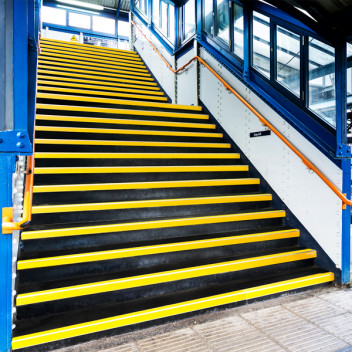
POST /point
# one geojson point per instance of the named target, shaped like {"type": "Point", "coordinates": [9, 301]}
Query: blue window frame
{"type": "Point", "coordinates": [188, 20]}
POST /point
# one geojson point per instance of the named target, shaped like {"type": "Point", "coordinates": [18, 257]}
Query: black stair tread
{"type": "Point", "coordinates": [147, 242]}
{"type": "Point", "coordinates": [33, 325]}
{"type": "Point", "coordinates": [41, 286]}
{"type": "Point", "coordinates": [99, 223]}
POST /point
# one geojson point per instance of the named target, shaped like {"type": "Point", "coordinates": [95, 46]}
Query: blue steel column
{"type": "Point", "coordinates": [343, 151]}
{"type": "Point", "coordinates": [7, 166]}
{"type": "Point", "coordinates": [246, 40]}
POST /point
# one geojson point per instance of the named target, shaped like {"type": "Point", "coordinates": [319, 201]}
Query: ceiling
{"type": "Point", "coordinates": [112, 4]}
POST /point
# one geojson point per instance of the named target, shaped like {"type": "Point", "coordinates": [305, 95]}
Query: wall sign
{"type": "Point", "coordinates": [260, 133]}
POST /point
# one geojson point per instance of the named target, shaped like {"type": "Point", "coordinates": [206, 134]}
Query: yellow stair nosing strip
{"type": "Point", "coordinates": [74, 51]}
{"type": "Point", "coordinates": [117, 101]}
{"type": "Point", "coordinates": [92, 49]}
{"type": "Point", "coordinates": [101, 87]}
{"type": "Point", "coordinates": [83, 60]}
{"type": "Point", "coordinates": [163, 277]}
{"type": "Point", "coordinates": [93, 56]}
{"type": "Point", "coordinates": [154, 249]}
{"type": "Point", "coordinates": [133, 143]}
{"type": "Point", "coordinates": [168, 310]}
{"type": "Point", "coordinates": [145, 88]}
{"type": "Point", "coordinates": [145, 185]}
{"type": "Point", "coordinates": [123, 111]}
{"type": "Point", "coordinates": [128, 131]}
{"type": "Point", "coordinates": [124, 121]}
{"type": "Point", "coordinates": [138, 169]}
{"type": "Point", "coordinates": [105, 93]}
{"type": "Point", "coordinates": [146, 225]}
{"type": "Point", "coordinates": [58, 155]}
{"type": "Point", "coordinates": [63, 42]}
{"type": "Point", "coordinates": [94, 67]}
{"type": "Point", "coordinates": [150, 203]}
{"type": "Point", "coordinates": [99, 78]}
{"type": "Point", "coordinates": [121, 74]}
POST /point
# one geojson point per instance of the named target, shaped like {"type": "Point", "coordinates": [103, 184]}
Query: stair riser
{"type": "Point", "coordinates": [130, 194]}
{"type": "Point", "coordinates": [53, 179]}
{"type": "Point", "coordinates": [139, 214]}
{"type": "Point", "coordinates": [43, 246]}
{"type": "Point", "coordinates": [83, 302]}
{"type": "Point", "coordinates": [69, 272]}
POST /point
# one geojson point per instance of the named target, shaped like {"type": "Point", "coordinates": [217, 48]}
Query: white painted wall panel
{"type": "Point", "coordinates": [307, 196]}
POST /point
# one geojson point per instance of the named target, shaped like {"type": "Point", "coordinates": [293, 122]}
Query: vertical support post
{"type": "Point", "coordinates": [196, 63]}
{"type": "Point", "coordinates": [343, 151]}
{"type": "Point", "coordinates": [7, 164]}
{"type": "Point", "coordinates": [199, 19]}
{"type": "Point", "coordinates": [246, 39]}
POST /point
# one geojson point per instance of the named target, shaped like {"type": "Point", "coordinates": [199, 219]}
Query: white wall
{"type": "Point", "coordinates": [306, 195]}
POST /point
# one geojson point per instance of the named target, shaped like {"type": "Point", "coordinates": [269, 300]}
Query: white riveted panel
{"type": "Point", "coordinates": [307, 196]}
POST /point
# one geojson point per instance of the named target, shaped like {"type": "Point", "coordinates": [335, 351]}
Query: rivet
{"type": "Point", "coordinates": [340, 153]}
{"type": "Point", "coordinates": [20, 135]}
{"type": "Point", "coordinates": [19, 145]}
{"type": "Point", "coordinates": [340, 146]}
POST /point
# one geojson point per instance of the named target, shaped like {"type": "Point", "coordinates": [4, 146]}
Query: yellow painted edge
{"type": "Point", "coordinates": [168, 310]}
{"type": "Point", "coordinates": [117, 101]}
{"type": "Point", "coordinates": [124, 121]}
{"type": "Point", "coordinates": [127, 131]}
{"type": "Point", "coordinates": [43, 155]}
{"type": "Point", "coordinates": [141, 92]}
{"type": "Point", "coordinates": [145, 185]}
{"type": "Point", "coordinates": [137, 169]}
{"type": "Point", "coordinates": [83, 59]}
{"type": "Point", "coordinates": [103, 84]}
{"type": "Point", "coordinates": [133, 143]}
{"type": "Point", "coordinates": [145, 225]}
{"type": "Point", "coordinates": [123, 74]}
{"type": "Point", "coordinates": [49, 40]}
{"type": "Point", "coordinates": [95, 65]}
{"type": "Point", "coordinates": [162, 277]}
{"type": "Point", "coordinates": [122, 111]}
{"type": "Point", "coordinates": [155, 249]}
{"type": "Point", "coordinates": [105, 93]}
{"type": "Point", "coordinates": [97, 78]}
{"type": "Point", "coordinates": [66, 208]}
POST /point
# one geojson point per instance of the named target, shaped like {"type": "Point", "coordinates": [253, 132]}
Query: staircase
{"type": "Point", "coordinates": [141, 211]}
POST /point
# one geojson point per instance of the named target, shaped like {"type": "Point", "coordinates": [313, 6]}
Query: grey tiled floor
{"type": "Point", "coordinates": [319, 320]}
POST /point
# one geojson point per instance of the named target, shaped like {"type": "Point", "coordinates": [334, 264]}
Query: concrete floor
{"type": "Point", "coordinates": [318, 320]}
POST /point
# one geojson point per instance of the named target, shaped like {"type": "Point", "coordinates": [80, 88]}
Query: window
{"type": "Point", "coordinates": [103, 24]}
{"type": "Point", "coordinates": [288, 59]}
{"type": "Point", "coordinates": [142, 6]}
{"type": "Point", "coordinates": [124, 29]}
{"type": "Point", "coordinates": [164, 17]}
{"type": "Point", "coordinates": [166, 21]}
{"type": "Point", "coordinates": [261, 43]}
{"type": "Point", "coordinates": [349, 74]}
{"type": "Point", "coordinates": [322, 80]}
{"type": "Point", "coordinates": [189, 19]}
{"type": "Point", "coordinates": [208, 16]}
{"type": "Point", "coordinates": [171, 35]}
{"type": "Point", "coordinates": [155, 17]}
{"type": "Point", "coordinates": [238, 30]}
{"type": "Point", "coordinates": [79, 20]}
{"type": "Point", "coordinates": [54, 16]}
{"type": "Point", "coordinates": [223, 20]}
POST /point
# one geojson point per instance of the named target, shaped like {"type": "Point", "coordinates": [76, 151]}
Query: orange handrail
{"type": "Point", "coordinates": [7, 223]}
{"type": "Point", "coordinates": [261, 118]}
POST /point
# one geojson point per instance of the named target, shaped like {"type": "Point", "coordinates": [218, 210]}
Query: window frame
{"type": "Point", "coordinates": [182, 14]}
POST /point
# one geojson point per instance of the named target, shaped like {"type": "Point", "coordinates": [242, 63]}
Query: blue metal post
{"type": "Point", "coordinates": [246, 39]}
{"type": "Point", "coordinates": [7, 167]}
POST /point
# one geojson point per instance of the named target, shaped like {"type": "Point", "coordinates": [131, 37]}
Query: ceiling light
{"type": "Point", "coordinates": [82, 4]}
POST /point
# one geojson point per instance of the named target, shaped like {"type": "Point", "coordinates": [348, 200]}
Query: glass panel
{"type": "Point", "coordinates": [172, 24]}
{"type": "Point", "coordinates": [155, 17]}
{"type": "Point", "coordinates": [189, 19]}
{"type": "Point", "coordinates": [164, 17]}
{"type": "Point", "coordinates": [124, 29]}
{"type": "Point", "coordinates": [208, 16]}
{"type": "Point", "coordinates": [261, 43]}
{"type": "Point", "coordinates": [288, 59]}
{"type": "Point", "coordinates": [103, 24]}
{"type": "Point", "coordinates": [54, 16]}
{"type": "Point", "coordinates": [322, 80]}
{"type": "Point", "coordinates": [349, 74]}
{"type": "Point", "coordinates": [78, 20]}
{"type": "Point", "coordinates": [223, 20]}
{"type": "Point", "coordinates": [238, 30]}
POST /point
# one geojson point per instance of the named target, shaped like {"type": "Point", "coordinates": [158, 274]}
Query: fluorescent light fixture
{"type": "Point", "coordinates": [306, 13]}
{"type": "Point", "coordinates": [82, 4]}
